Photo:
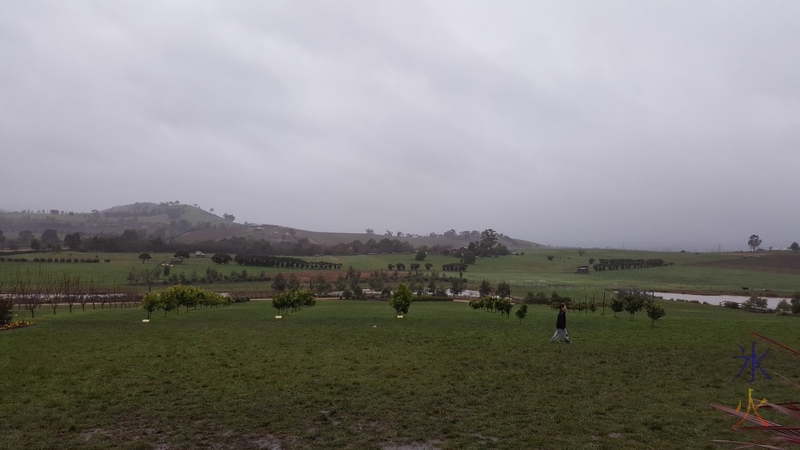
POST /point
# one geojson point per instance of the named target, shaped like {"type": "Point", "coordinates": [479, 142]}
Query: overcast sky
{"type": "Point", "coordinates": [662, 125]}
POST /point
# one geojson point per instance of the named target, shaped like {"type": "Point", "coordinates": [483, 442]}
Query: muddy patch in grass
{"type": "Point", "coordinates": [429, 445]}
{"type": "Point", "coordinates": [160, 440]}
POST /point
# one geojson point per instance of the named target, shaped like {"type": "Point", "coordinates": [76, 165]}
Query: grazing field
{"type": "Point", "coordinates": [691, 272]}
{"type": "Point", "coordinates": [773, 273]}
{"type": "Point", "coordinates": [780, 262]}
{"type": "Point", "coordinates": [348, 374]}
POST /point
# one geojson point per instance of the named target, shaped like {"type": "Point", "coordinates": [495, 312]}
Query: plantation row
{"type": "Point", "coordinates": [621, 264]}
{"type": "Point", "coordinates": [629, 301]}
{"type": "Point", "coordinates": [297, 263]}
{"type": "Point", "coordinates": [281, 261]}
{"type": "Point", "coordinates": [150, 302]}
{"type": "Point", "coordinates": [53, 260]}
{"type": "Point", "coordinates": [175, 297]}
{"type": "Point", "coordinates": [33, 298]}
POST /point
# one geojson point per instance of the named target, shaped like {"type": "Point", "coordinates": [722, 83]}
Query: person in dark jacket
{"type": "Point", "coordinates": [561, 325]}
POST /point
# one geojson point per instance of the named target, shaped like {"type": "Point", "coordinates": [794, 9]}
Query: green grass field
{"type": "Point", "coordinates": [347, 374]}
{"type": "Point", "coordinates": [529, 272]}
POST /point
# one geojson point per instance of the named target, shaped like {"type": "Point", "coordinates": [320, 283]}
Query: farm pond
{"type": "Point", "coordinates": [772, 302]}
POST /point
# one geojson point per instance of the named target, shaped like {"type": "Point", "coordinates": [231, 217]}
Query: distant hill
{"type": "Point", "coordinates": [277, 233]}
{"type": "Point", "coordinates": [190, 224]}
{"type": "Point", "coordinates": [169, 219]}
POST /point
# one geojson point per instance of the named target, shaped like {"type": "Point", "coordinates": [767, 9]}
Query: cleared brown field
{"type": "Point", "coordinates": [775, 262]}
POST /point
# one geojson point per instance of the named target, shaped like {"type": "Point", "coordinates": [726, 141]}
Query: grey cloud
{"type": "Point", "coordinates": [657, 124]}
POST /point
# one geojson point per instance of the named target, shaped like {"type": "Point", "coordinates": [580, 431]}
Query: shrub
{"type": "Point", "coordinates": [784, 306]}
{"type": "Point", "coordinates": [504, 306]}
{"type": "Point", "coordinates": [522, 311]}
{"type": "Point", "coordinates": [654, 312]}
{"type": "Point", "coordinates": [6, 306]}
{"type": "Point", "coordinates": [401, 299]}
{"type": "Point", "coordinates": [796, 303]}
{"type": "Point", "coordinates": [617, 305]}
{"type": "Point", "coordinates": [755, 303]}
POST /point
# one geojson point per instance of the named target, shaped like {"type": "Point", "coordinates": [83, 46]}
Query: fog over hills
{"type": "Point", "coordinates": [191, 224]}
{"type": "Point", "coordinates": [669, 125]}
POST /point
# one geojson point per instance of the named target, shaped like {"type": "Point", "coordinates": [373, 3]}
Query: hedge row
{"type": "Point", "coordinates": [54, 260]}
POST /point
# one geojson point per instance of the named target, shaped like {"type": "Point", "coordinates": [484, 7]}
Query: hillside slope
{"type": "Point", "coordinates": [277, 233]}
{"type": "Point", "coordinates": [190, 224]}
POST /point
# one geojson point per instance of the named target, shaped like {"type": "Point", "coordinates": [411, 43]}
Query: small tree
{"type": "Point", "coordinates": [503, 290]}
{"type": "Point", "coordinates": [305, 298]}
{"type": "Point", "coordinates": [221, 258]}
{"type": "Point", "coordinates": [468, 258]}
{"type": "Point", "coordinates": [151, 302]}
{"type": "Point", "coordinates": [655, 312]}
{"type": "Point", "coordinates": [279, 282]}
{"type": "Point", "coordinates": [182, 254]}
{"type": "Point", "coordinates": [522, 311]}
{"type": "Point", "coordinates": [293, 283]}
{"type": "Point", "coordinates": [145, 257]}
{"type": "Point", "coordinates": [6, 304]}
{"type": "Point", "coordinates": [485, 288]}
{"type": "Point", "coordinates": [321, 285]}
{"type": "Point", "coordinates": [50, 237]}
{"type": "Point", "coordinates": [754, 242]}
{"type": "Point", "coordinates": [476, 303]}
{"type": "Point", "coordinates": [168, 303]}
{"type": "Point", "coordinates": [421, 255]}
{"type": "Point", "coordinates": [784, 306]}
{"type": "Point", "coordinates": [293, 299]}
{"type": "Point", "coordinates": [617, 305]}
{"type": "Point", "coordinates": [504, 305]}
{"type": "Point", "coordinates": [456, 285]}
{"type": "Point", "coordinates": [401, 299]}
{"type": "Point", "coordinates": [283, 301]}
{"type": "Point", "coordinates": [794, 247]}
{"type": "Point", "coordinates": [755, 303]}
{"type": "Point", "coordinates": [796, 303]}
{"type": "Point", "coordinates": [633, 304]}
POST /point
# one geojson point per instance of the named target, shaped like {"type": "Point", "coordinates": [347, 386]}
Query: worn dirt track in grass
{"type": "Point", "coordinates": [776, 262]}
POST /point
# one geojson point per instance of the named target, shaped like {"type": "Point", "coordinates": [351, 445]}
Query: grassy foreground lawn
{"type": "Point", "coordinates": [351, 375]}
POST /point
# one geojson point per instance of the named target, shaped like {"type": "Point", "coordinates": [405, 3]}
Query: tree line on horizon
{"type": "Point", "coordinates": [131, 240]}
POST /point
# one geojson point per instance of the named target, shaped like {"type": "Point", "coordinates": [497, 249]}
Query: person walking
{"type": "Point", "coordinates": [561, 325]}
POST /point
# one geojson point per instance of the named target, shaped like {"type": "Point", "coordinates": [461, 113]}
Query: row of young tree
{"type": "Point", "coordinates": [133, 240]}
{"type": "Point", "coordinates": [293, 300]}
{"type": "Point", "coordinates": [34, 291]}
{"type": "Point", "coordinates": [278, 261]}
{"type": "Point", "coordinates": [630, 301]}
{"type": "Point", "coordinates": [626, 263]}
{"type": "Point", "coordinates": [175, 297]}
{"type": "Point", "coordinates": [503, 305]}
{"type": "Point", "coordinates": [498, 299]}
{"type": "Point", "coordinates": [350, 284]}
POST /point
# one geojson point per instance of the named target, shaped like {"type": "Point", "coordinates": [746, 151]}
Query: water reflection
{"type": "Point", "coordinates": [772, 302]}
